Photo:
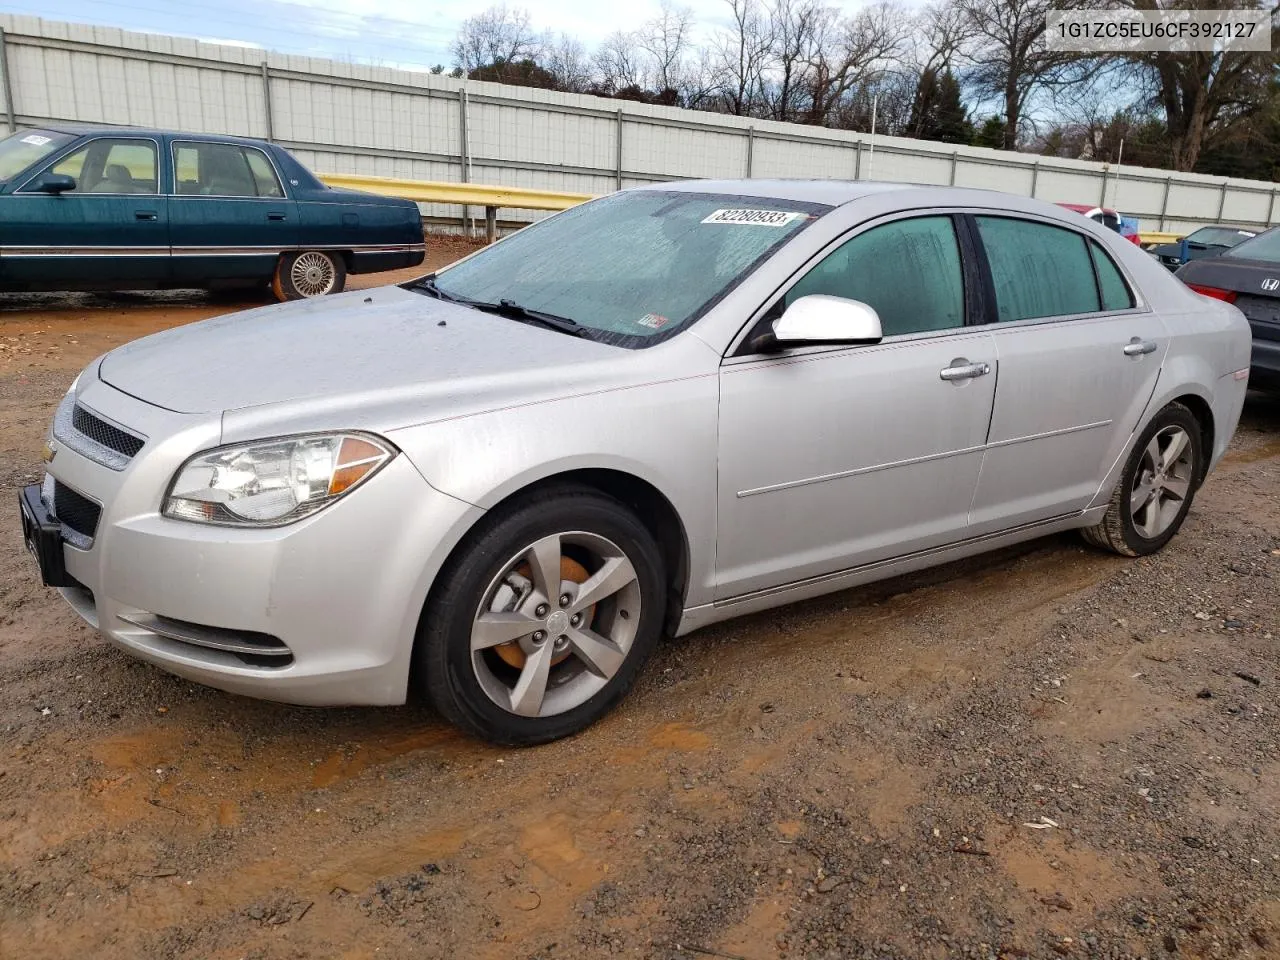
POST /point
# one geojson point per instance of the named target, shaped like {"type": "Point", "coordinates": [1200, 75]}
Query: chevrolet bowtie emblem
{"type": "Point", "coordinates": [48, 453]}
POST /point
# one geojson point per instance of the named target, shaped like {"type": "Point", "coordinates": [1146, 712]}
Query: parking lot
{"type": "Point", "coordinates": [1044, 752]}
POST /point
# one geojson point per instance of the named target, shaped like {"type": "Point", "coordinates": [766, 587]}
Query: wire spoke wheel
{"type": "Point", "coordinates": [555, 624]}
{"type": "Point", "coordinates": [313, 274]}
{"type": "Point", "coordinates": [1162, 482]}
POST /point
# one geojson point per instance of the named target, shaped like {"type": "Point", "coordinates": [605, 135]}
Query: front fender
{"type": "Point", "coordinates": [663, 434]}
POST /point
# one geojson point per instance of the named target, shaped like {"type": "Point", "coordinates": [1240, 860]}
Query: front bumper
{"type": "Point", "coordinates": [341, 590]}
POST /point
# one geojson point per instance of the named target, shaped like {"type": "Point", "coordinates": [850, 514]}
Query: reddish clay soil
{"type": "Point", "coordinates": [1044, 752]}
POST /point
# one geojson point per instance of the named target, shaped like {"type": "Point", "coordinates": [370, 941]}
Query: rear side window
{"type": "Point", "coordinates": [908, 271]}
{"type": "Point", "coordinates": [1115, 292]}
{"type": "Point", "coordinates": [1038, 270]}
{"type": "Point", "coordinates": [223, 170]}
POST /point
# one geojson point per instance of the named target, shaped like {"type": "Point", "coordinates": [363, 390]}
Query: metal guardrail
{"type": "Point", "coordinates": [491, 198]}
{"type": "Point", "coordinates": [466, 194]}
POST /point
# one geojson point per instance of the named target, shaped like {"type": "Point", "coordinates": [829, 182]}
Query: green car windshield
{"type": "Point", "coordinates": [632, 268]}
{"type": "Point", "coordinates": [22, 149]}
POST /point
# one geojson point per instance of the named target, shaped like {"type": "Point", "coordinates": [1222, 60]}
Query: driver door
{"type": "Point", "coordinates": [835, 457]}
{"type": "Point", "coordinates": [112, 229]}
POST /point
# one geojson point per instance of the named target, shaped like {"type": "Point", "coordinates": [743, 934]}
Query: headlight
{"type": "Point", "coordinates": [273, 482]}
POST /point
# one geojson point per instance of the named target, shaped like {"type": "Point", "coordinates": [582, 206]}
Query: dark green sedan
{"type": "Point", "coordinates": [123, 209]}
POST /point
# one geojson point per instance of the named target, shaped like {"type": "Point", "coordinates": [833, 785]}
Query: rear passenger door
{"type": "Point", "coordinates": [230, 216]}
{"type": "Point", "coordinates": [1079, 358]}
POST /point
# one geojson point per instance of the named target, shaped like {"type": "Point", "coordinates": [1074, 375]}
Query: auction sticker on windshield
{"type": "Point", "coordinates": [755, 218]}
{"type": "Point", "coordinates": [35, 139]}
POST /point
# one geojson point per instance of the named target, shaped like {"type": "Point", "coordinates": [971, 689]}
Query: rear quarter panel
{"type": "Point", "coordinates": [329, 218]}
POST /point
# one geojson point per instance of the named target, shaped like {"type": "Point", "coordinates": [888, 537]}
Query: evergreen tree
{"type": "Point", "coordinates": [991, 133]}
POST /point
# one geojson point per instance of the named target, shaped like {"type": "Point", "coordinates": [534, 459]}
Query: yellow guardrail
{"type": "Point", "coordinates": [467, 194]}
{"type": "Point", "coordinates": [491, 198]}
{"type": "Point", "coordinates": [474, 194]}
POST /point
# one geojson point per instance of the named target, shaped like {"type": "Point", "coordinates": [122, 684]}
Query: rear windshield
{"type": "Point", "coordinates": [1265, 246]}
{"type": "Point", "coordinates": [634, 267]}
{"type": "Point", "coordinates": [21, 150]}
{"type": "Point", "coordinates": [1220, 236]}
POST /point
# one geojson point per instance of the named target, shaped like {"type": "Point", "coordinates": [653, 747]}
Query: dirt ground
{"type": "Point", "coordinates": [1043, 752]}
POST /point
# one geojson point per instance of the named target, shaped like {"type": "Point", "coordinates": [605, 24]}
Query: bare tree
{"type": "Point", "coordinates": [565, 58]}
{"type": "Point", "coordinates": [617, 63]}
{"type": "Point", "coordinates": [667, 39]}
{"type": "Point", "coordinates": [1201, 93]}
{"type": "Point", "coordinates": [500, 34]}
{"type": "Point", "coordinates": [795, 26]}
{"type": "Point", "coordinates": [1011, 60]}
{"type": "Point", "coordinates": [853, 53]}
{"type": "Point", "coordinates": [742, 55]}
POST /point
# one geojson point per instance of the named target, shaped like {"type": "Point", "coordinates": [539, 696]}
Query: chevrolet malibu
{"type": "Point", "coordinates": [496, 487]}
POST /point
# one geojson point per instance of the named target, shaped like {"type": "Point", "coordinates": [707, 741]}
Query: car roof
{"type": "Point", "coordinates": [96, 130]}
{"type": "Point", "coordinates": [840, 192]}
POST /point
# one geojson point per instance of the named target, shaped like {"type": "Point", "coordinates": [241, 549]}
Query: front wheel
{"type": "Point", "coordinates": [308, 273]}
{"type": "Point", "coordinates": [542, 622]}
{"type": "Point", "coordinates": [1156, 489]}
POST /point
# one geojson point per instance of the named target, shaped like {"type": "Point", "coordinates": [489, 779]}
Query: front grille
{"type": "Point", "coordinates": [106, 434]}
{"type": "Point", "coordinates": [75, 510]}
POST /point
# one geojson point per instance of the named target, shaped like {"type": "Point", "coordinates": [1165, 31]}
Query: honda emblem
{"type": "Point", "coordinates": [1271, 283]}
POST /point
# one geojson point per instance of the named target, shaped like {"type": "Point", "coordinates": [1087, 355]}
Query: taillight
{"type": "Point", "coordinates": [1216, 292]}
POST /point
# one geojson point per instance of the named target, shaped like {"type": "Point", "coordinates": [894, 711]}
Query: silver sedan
{"type": "Point", "coordinates": [498, 486]}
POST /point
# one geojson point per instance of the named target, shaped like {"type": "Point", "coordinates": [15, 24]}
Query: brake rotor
{"type": "Point", "coordinates": [512, 654]}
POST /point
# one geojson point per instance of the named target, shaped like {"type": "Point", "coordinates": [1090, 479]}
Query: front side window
{"type": "Point", "coordinates": [1038, 270]}
{"type": "Point", "coordinates": [112, 166]}
{"type": "Point", "coordinates": [21, 150]}
{"type": "Point", "coordinates": [634, 267]}
{"type": "Point", "coordinates": [223, 170]}
{"type": "Point", "coordinates": [908, 271]}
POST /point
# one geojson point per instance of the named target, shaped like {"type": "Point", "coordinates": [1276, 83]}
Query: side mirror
{"type": "Point", "coordinates": [820, 319]}
{"type": "Point", "coordinates": [53, 183]}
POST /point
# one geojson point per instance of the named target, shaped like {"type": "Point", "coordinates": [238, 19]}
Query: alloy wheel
{"type": "Point", "coordinates": [555, 624]}
{"type": "Point", "coordinates": [1162, 482]}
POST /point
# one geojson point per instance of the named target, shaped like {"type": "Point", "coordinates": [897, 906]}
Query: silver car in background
{"type": "Point", "coordinates": [498, 486]}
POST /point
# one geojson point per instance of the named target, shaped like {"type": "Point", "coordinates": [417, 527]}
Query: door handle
{"type": "Point", "coordinates": [144, 215]}
{"type": "Point", "coordinates": [1138, 347]}
{"type": "Point", "coordinates": [276, 216]}
{"type": "Point", "coordinates": [962, 369]}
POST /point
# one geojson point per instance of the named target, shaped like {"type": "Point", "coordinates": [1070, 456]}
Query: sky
{"type": "Point", "coordinates": [387, 32]}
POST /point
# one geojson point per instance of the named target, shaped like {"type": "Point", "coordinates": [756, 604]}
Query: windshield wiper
{"type": "Point", "coordinates": [552, 321]}
{"type": "Point", "coordinates": [429, 285]}
{"type": "Point", "coordinates": [506, 308]}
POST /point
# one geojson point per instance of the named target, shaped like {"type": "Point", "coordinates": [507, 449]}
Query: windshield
{"type": "Point", "coordinates": [21, 150]}
{"type": "Point", "coordinates": [632, 268]}
{"type": "Point", "coordinates": [1219, 236]}
{"type": "Point", "coordinates": [1265, 246]}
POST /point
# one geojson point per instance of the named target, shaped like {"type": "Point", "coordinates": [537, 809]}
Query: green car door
{"type": "Point", "coordinates": [95, 216]}
{"type": "Point", "coordinates": [230, 217]}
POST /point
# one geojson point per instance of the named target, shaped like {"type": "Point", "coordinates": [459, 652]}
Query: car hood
{"type": "Point", "coordinates": [387, 346]}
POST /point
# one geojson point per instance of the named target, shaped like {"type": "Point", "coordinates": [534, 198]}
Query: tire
{"type": "Point", "coordinates": [1129, 527]}
{"type": "Point", "coordinates": [304, 274]}
{"type": "Point", "coordinates": [481, 689]}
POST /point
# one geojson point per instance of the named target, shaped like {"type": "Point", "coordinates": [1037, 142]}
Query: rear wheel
{"type": "Point", "coordinates": [308, 273]}
{"type": "Point", "coordinates": [542, 622]}
{"type": "Point", "coordinates": [1156, 489]}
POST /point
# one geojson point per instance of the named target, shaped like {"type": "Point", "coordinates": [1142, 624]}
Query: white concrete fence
{"type": "Point", "coordinates": [349, 118]}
